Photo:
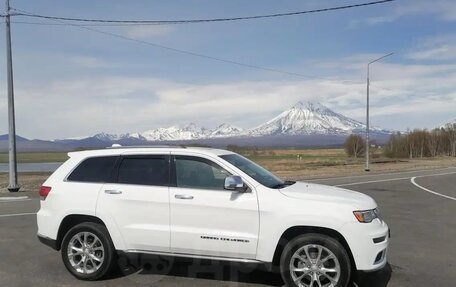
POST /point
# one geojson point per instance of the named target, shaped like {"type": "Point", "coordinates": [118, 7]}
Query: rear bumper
{"type": "Point", "coordinates": [48, 241]}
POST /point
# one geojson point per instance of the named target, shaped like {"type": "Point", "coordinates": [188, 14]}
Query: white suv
{"type": "Point", "coordinates": [206, 203]}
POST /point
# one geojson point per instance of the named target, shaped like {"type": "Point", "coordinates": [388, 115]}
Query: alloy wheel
{"type": "Point", "coordinates": [315, 266]}
{"type": "Point", "coordinates": [85, 252]}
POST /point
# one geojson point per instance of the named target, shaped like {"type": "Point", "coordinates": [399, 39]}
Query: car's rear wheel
{"type": "Point", "coordinates": [312, 260]}
{"type": "Point", "coordinates": [87, 251]}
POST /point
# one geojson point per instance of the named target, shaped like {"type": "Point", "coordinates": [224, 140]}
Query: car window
{"type": "Point", "coordinates": [255, 171]}
{"type": "Point", "coordinates": [193, 172]}
{"type": "Point", "coordinates": [95, 169]}
{"type": "Point", "coordinates": [144, 171]}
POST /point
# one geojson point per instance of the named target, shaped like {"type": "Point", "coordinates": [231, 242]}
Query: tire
{"type": "Point", "coordinates": [98, 258]}
{"type": "Point", "coordinates": [323, 269]}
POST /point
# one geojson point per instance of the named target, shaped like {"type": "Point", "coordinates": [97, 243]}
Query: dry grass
{"type": "Point", "coordinates": [30, 182]}
{"type": "Point", "coordinates": [310, 163]}
{"type": "Point", "coordinates": [29, 157]}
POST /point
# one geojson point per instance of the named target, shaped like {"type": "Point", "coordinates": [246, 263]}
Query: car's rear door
{"type": "Point", "coordinates": [138, 201]}
{"type": "Point", "coordinates": [206, 219]}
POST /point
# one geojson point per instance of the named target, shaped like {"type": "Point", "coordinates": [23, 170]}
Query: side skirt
{"type": "Point", "coordinates": [217, 258]}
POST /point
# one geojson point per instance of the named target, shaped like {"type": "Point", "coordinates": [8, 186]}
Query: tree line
{"type": "Point", "coordinates": [417, 143]}
{"type": "Point", "coordinates": [420, 143]}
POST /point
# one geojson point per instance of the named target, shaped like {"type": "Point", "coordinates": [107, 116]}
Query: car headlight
{"type": "Point", "coordinates": [366, 216]}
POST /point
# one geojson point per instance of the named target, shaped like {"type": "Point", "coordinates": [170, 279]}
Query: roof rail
{"type": "Point", "coordinates": [117, 146]}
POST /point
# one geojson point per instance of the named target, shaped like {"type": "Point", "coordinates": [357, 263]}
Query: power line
{"type": "Point", "coordinates": [197, 54]}
{"type": "Point", "coordinates": [86, 24]}
{"type": "Point", "coordinates": [193, 21]}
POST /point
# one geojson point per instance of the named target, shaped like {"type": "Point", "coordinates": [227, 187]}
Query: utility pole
{"type": "Point", "coordinates": [13, 186]}
{"type": "Point", "coordinates": [366, 168]}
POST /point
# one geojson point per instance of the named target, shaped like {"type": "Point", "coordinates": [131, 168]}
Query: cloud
{"type": "Point", "coordinates": [148, 31]}
{"type": "Point", "coordinates": [71, 105]}
{"type": "Point", "coordinates": [134, 104]}
{"type": "Point", "coordinates": [441, 47]}
{"type": "Point", "coordinates": [90, 62]}
{"type": "Point", "coordinates": [355, 23]}
{"type": "Point", "coordinates": [439, 53]}
{"type": "Point", "coordinates": [443, 9]}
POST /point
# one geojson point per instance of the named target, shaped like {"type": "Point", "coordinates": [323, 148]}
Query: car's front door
{"type": "Point", "coordinates": [138, 202]}
{"type": "Point", "coordinates": [205, 218]}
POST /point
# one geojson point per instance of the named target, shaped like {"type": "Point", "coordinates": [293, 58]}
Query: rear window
{"type": "Point", "coordinates": [144, 171]}
{"type": "Point", "coordinates": [95, 169]}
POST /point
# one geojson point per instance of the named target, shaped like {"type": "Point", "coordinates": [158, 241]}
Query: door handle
{"type": "Point", "coordinates": [113, 191]}
{"type": "Point", "coordinates": [183, 196]}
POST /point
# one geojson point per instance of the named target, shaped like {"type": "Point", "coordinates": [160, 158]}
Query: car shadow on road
{"type": "Point", "coordinates": [197, 269]}
{"type": "Point", "coordinates": [162, 267]}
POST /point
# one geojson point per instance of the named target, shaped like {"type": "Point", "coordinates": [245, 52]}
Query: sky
{"type": "Point", "coordinates": [70, 81]}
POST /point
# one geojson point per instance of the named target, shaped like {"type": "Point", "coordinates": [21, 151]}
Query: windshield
{"type": "Point", "coordinates": [255, 171]}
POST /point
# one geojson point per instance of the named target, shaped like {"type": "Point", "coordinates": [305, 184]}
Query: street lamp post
{"type": "Point", "coordinates": [367, 109]}
{"type": "Point", "coordinates": [13, 186]}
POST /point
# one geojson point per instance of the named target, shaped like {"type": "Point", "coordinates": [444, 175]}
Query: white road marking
{"type": "Point", "coordinates": [430, 191]}
{"type": "Point", "coordinates": [17, 214]}
{"type": "Point", "coordinates": [392, 179]}
{"type": "Point", "coordinates": [372, 181]}
{"type": "Point", "coordinates": [379, 174]}
{"type": "Point", "coordinates": [14, 198]}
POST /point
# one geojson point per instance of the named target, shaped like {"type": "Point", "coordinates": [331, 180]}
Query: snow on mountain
{"type": "Point", "coordinates": [106, 137]}
{"type": "Point", "coordinates": [304, 118]}
{"type": "Point", "coordinates": [133, 135]}
{"type": "Point", "coordinates": [189, 132]}
{"type": "Point", "coordinates": [226, 130]}
{"type": "Point", "coordinates": [307, 118]}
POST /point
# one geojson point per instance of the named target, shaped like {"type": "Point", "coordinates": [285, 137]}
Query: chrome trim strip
{"type": "Point", "coordinates": [221, 258]}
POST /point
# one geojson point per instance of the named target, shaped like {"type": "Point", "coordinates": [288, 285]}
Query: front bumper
{"type": "Point", "coordinates": [376, 278]}
{"type": "Point", "coordinates": [368, 243]}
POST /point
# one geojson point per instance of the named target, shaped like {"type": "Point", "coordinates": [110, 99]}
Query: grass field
{"type": "Point", "coordinates": [31, 157]}
{"type": "Point", "coordinates": [28, 181]}
{"type": "Point", "coordinates": [281, 160]}
{"type": "Point", "coordinates": [298, 157]}
{"type": "Point", "coordinates": [324, 156]}
{"type": "Point", "coordinates": [311, 163]}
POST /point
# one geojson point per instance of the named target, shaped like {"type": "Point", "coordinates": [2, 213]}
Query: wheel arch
{"type": "Point", "coordinates": [294, 231]}
{"type": "Point", "coordinates": [72, 220]}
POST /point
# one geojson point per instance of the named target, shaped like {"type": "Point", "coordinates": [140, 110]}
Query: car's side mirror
{"type": "Point", "coordinates": [235, 183]}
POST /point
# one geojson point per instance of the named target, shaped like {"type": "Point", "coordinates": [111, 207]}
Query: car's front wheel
{"type": "Point", "coordinates": [312, 260]}
{"type": "Point", "coordinates": [87, 251]}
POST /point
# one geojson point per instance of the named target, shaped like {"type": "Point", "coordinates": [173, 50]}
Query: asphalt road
{"type": "Point", "coordinates": [420, 208]}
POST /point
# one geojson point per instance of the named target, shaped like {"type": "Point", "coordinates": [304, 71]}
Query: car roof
{"type": "Point", "coordinates": [118, 150]}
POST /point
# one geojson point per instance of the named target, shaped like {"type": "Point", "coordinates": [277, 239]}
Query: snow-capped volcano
{"type": "Point", "coordinates": [304, 118]}
{"type": "Point", "coordinates": [307, 118]}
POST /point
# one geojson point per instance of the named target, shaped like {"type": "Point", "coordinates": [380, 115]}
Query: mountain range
{"type": "Point", "coordinates": [304, 118]}
{"type": "Point", "coordinates": [305, 122]}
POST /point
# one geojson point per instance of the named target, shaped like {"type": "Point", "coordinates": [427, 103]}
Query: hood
{"type": "Point", "coordinates": [330, 194]}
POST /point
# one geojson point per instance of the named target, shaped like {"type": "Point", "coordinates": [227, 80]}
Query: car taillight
{"type": "Point", "coordinates": [44, 191]}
